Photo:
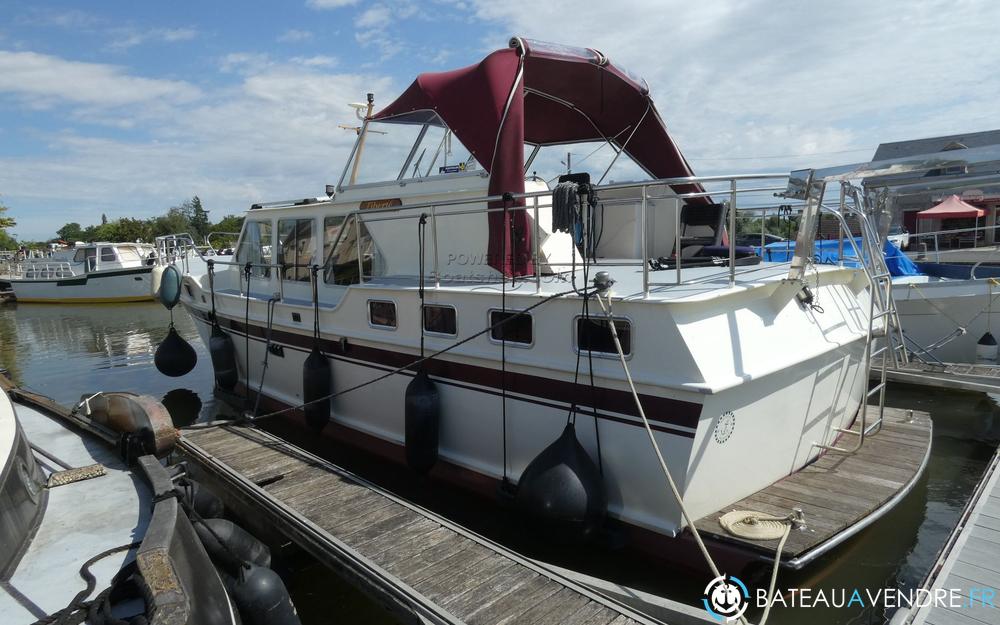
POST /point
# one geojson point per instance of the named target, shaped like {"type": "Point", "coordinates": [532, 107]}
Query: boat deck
{"type": "Point", "coordinates": [697, 283]}
{"type": "Point", "coordinates": [839, 494]}
{"type": "Point", "coordinates": [967, 570]}
{"type": "Point", "coordinates": [410, 559]}
{"type": "Point", "coordinates": [76, 525]}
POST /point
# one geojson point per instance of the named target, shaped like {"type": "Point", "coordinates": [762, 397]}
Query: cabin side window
{"type": "Point", "coordinates": [108, 255]}
{"type": "Point", "coordinates": [86, 255]}
{"type": "Point", "coordinates": [382, 314]}
{"type": "Point", "coordinates": [332, 225]}
{"type": "Point", "coordinates": [255, 247]}
{"type": "Point", "coordinates": [440, 320]}
{"type": "Point", "coordinates": [129, 253]}
{"type": "Point", "coordinates": [594, 335]}
{"type": "Point", "coordinates": [342, 249]}
{"type": "Point", "coordinates": [516, 327]}
{"type": "Point", "coordinates": [296, 248]}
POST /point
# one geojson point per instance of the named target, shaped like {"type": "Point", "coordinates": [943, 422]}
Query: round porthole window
{"type": "Point", "coordinates": [724, 428]}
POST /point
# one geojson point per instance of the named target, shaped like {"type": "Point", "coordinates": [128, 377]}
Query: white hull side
{"type": "Point", "coordinates": [776, 422]}
{"type": "Point", "coordinates": [471, 426]}
{"type": "Point", "coordinates": [778, 418]}
{"type": "Point", "coordinates": [130, 285]}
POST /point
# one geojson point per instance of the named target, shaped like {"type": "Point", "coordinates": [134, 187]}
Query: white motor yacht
{"type": "Point", "coordinates": [456, 262]}
{"type": "Point", "coordinates": [91, 273]}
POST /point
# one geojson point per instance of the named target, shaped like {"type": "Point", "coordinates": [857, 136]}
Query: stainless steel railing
{"type": "Point", "coordinates": [742, 193]}
{"type": "Point", "coordinates": [42, 270]}
{"type": "Point", "coordinates": [732, 191]}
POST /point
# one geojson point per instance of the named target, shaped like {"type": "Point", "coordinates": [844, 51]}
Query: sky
{"type": "Point", "coordinates": [127, 108]}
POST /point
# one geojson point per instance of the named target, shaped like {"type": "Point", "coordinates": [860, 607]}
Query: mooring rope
{"type": "Point", "coordinates": [670, 478]}
{"type": "Point", "coordinates": [421, 244]}
{"type": "Point", "coordinates": [412, 365]}
{"type": "Point", "coordinates": [246, 328]}
{"type": "Point", "coordinates": [267, 350]}
{"type": "Point", "coordinates": [504, 263]}
{"type": "Point", "coordinates": [76, 611]}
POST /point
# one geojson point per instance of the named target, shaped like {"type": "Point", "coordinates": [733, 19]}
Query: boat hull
{"type": "Point", "coordinates": [936, 311]}
{"type": "Point", "coordinates": [125, 285]}
{"type": "Point", "coordinates": [707, 438]}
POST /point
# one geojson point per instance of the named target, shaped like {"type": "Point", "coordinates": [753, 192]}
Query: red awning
{"type": "Point", "coordinates": [543, 94]}
{"type": "Point", "coordinates": [951, 208]}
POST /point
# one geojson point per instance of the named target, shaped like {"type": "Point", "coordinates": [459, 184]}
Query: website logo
{"type": "Point", "coordinates": [726, 598]}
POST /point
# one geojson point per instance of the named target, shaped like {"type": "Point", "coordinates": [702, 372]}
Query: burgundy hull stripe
{"type": "Point", "coordinates": [658, 409]}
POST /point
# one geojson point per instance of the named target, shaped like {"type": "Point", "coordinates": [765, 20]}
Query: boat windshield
{"type": "Point", "coordinates": [395, 151]}
{"type": "Point", "coordinates": [597, 158]}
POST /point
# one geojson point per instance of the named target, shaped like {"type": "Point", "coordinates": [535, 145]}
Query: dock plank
{"type": "Point", "coordinates": [969, 560]}
{"type": "Point", "coordinates": [977, 573]}
{"type": "Point", "coordinates": [510, 607]}
{"type": "Point", "coordinates": [549, 612]}
{"type": "Point", "coordinates": [442, 589]}
{"type": "Point", "coordinates": [418, 561]}
{"type": "Point", "coordinates": [410, 567]}
{"type": "Point", "coordinates": [490, 591]}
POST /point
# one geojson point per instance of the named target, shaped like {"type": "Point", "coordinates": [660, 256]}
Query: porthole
{"type": "Point", "coordinates": [382, 314]}
{"type": "Point", "coordinates": [440, 319]}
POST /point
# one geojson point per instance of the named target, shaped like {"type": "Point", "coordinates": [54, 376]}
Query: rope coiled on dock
{"type": "Point", "coordinates": [755, 525]}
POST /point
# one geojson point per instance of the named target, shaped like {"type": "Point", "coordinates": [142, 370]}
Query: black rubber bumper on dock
{"type": "Point", "coordinates": [409, 558]}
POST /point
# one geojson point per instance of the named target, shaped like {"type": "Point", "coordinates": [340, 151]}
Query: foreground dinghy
{"type": "Point", "coordinates": [70, 507]}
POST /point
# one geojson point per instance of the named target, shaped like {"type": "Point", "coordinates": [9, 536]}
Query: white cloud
{"type": "Point", "coordinates": [178, 34]}
{"type": "Point", "coordinates": [72, 18]}
{"type": "Point", "coordinates": [318, 60]}
{"type": "Point", "coordinates": [752, 77]}
{"type": "Point", "coordinates": [244, 62]}
{"type": "Point", "coordinates": [377, 16]}
{"type": "Point", "coordinates": [329, 4]}
{"type": "Point", "coordinates": [125, 38]}
{"type": "Point", "coordinates": [293, 35]}
{"type": "Point", "coordinates": [732, 80]}
{"type": "Point", "coordinates": [273, 135]}
{"type": "Point", "coordinates": [40, 80]}
{"type": "Point", "coordinates": [375, 27]}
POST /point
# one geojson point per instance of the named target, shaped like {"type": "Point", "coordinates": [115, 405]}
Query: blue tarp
{"type": "Point", "coordinates": [827, 252]}
{"type": "Point", "coordinates": [899, 264]}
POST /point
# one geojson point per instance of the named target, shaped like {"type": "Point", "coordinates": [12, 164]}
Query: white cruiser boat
{"type": "Point", "coordinates": [94, 273]}
{"type": "Point", "coordinates": [736, 366]}
{"type": "Point", "coordinates": [944, 320]}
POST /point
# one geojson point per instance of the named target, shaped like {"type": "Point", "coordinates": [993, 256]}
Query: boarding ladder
{"type": "Point", "coordinates": [883, 319]}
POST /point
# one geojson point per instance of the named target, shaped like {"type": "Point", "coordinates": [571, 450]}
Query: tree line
{"type": "Point", "coordinates": [7, 242]}
{"type": "Point", "coordinates": [190, 217]}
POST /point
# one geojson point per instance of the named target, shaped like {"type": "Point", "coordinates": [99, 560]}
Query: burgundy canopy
{"type": "Point", "coordinates": [543, 94]}
{"type": "Point", "coordinates": [951, 208]}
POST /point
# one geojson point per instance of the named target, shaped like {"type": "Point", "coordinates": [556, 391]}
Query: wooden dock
{"type": "Point", "coordinates": [839, 494]}
{"type": "Point", "coordinates": [969, 562]}
{"type": "Point", "coordinates": [951, 376]}
{"type": "Point", "coordinates": [418, 564]}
